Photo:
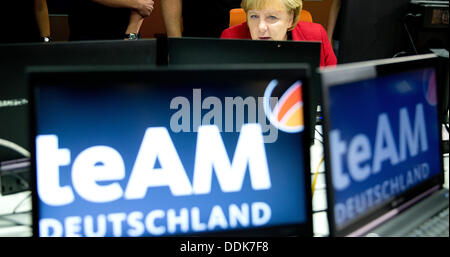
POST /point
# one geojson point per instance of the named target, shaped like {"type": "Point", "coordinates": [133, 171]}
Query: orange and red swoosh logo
{"type": "Point", "coordinates": [287, 115]}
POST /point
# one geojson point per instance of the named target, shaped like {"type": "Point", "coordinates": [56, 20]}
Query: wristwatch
{"type": "Point", "coordinates": [46, 39]}
{"type": "Point", "coordinates": [133, 36]}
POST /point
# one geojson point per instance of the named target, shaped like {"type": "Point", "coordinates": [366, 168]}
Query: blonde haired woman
{"type": "Point", "coordinates": [279, 20]}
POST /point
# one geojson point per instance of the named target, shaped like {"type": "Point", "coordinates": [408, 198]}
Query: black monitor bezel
{"type": "Point", "coordinates": [15, 58]}
{"type": "Point", "coordinates": [353, 73]}
{"type": "Point", "coordinates": [174, 51]}
{"type": "Point", "coordinates": [198, 50]}
{"type": "Point", "coordinates": [37, 75]}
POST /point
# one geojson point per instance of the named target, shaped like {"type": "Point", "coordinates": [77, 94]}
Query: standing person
{"type": "Point", "coordinates": [197, 18]}
{"type": "Point", "coordinates": [335, 24]}
{"type": "Point", "coordinates": [107, 19]}
{"type": "Point", "coordinates": [333, 18]}
{"type": "Point", "coordinates": [279, 20]}
{"type": "Point", "coordinates": [33, 26]}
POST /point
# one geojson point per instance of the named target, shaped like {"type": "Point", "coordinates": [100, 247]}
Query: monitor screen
{"type": "Point", "coordinates": [383, 141]}
{"type": "Point", "coordinates": [171, 152]}
{"type": "Point", "coordinates": [393, 146]}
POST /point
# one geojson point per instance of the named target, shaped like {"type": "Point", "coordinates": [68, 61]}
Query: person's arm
{"type": "Point", "coordinates": [332, 18]}
{"type": "Point", "coordinates": [143, 7]}
{"type": "Point", "coordinates": [172, 16]}
{"type": "Point", "coordinates": [327, 56]}
{"type": "Point", "coordinates": [135, 22]}
{"type": "Point", "coordinates": [42, 19]}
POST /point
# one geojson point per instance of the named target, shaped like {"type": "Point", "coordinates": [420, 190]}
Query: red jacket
{"type": "Point", "coordinates": [304, 31]}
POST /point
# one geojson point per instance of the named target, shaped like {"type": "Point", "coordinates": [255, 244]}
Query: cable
{"type": "Point", "coordinates": [21, 202]}
{"type": "Point", "coordinates": [15, 147]}
{"type": "Point", "coordinates": [399, 54]}
{"type": "Point", "coordinates": [14, 212]}
{"type": "Point", "coordinates": [14, 223]}
{"type": "Point", "coordinates": [445, 123]}
{"type": "Point", "coordinates": [407, 30]}
{"type": "Point", "coordinates": [315, 175]}
{"type": "Point", "coordinates": [410, 38]}
{"type": "Point", "coordinates": [318, 132]}
{"type": "Point", "coordinates": [448, 111]}
{"type": "Point", "coordinates": [23, 180]}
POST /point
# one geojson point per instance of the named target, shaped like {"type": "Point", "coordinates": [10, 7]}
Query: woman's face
{"type": "Point", "coordinates": [269, 23]}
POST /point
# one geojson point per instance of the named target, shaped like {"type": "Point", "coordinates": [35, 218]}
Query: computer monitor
{"type": "Point", "coordinates": [371, 30]}
{"type": "Point", "coordinates": [14, 58]}
{"type": "Point", "coordinates": [185, 51]}
{"type": "Point", "coordinates": [382, 141]}
{"type": "Point", "coordinates": [171, 151]}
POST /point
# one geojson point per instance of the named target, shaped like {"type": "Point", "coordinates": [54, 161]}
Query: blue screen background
{"type": "Point", "coordinates": [354, 109]}
{"type": "Point", "coordinates": [117, 116]}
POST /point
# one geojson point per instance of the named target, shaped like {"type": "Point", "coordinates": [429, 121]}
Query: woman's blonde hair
{"type": "Point", "coordinates": [294, 6]}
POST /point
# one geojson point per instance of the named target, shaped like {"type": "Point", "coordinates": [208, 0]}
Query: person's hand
{"type": "Point", "coordinates": [146, 7]}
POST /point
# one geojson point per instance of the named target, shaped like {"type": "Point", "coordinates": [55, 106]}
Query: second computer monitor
{"type": "Point", "coordinates": [185, 51]}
